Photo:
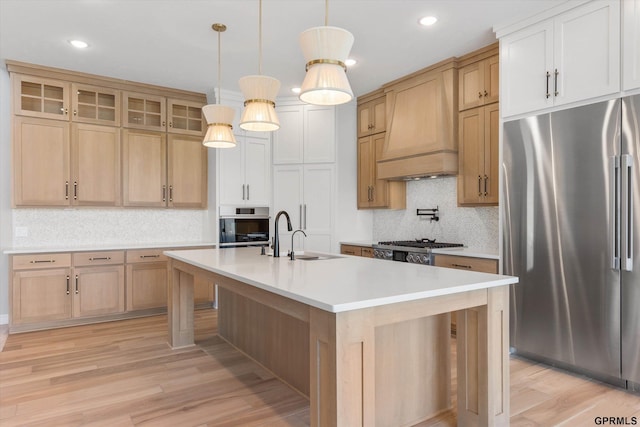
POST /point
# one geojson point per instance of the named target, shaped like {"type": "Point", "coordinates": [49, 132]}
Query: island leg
{"type": "Point", "coordinates": [342, 368]}
{"type": "Point", "coordinates": [180, 307]}
{"type": "Point", "coordinates": [483, 362]}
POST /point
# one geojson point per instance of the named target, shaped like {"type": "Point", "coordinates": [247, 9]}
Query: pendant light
{"type": "Point", "coordinates": [219, 117]}
{"type": "Point", "coordinates": [259, 92]}
{"type": "Point", "coordinates": [325, 49]}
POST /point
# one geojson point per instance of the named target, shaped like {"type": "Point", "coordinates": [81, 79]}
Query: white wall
{"type": "Point", "coordinates": [476, 228]}
{"type": "Point", "coordinates": [5, 191]}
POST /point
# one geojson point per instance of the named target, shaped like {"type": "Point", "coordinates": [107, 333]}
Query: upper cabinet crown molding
{"type": "Point", "coordinates": [565, 58]}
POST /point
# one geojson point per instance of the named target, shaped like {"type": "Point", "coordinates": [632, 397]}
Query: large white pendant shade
{"type": "Point", "coordinates": [259, 113]}
{"type": "Point", "coordinates": [219, 132]}
{"type": "Point", "coordinates": [325, 50]}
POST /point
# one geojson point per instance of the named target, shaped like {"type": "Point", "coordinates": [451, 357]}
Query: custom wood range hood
{"type": "Point", "coordinates": [421, 138]}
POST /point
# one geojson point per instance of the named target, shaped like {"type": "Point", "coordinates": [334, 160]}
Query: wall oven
{"type": "Point", "coordinates": [243, 226]}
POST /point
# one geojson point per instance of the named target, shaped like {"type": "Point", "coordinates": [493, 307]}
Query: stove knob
{"type": "Point", "coordinates": [409, 257]}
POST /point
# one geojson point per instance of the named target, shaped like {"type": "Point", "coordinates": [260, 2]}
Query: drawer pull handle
{"type": "Point", "coordinates": [461, 266]}
{"type": "Point", "coordinates": [149, 256]}
{"type": "Point", "coordinates": [349, 252]}
{"type": "Point", "coordinates": [76, 284]}
{"type": "Point", "coordinates": [102, 258]}
{"type": "Point", "coordinates": [68, 285]}
{"type": "Point", "coordinates": [42, 261]}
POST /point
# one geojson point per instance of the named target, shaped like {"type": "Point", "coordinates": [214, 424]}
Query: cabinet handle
{"type": "Point", "coordinates": [170, 124]}
{"type": "Point", "coordinates": [555, 83]}
{"type": "Point", "coordinates": [66, 190]}
{"type": "Point", "coordinates": [76, 284]}
{"type": "Point", "coordinates": [248, 192]}
{"type": "Point", "coordinates": [75, 190]}
{"type": "Point", "coordinates": [300, 216]}
{"type": "Point", "coordinates": [479, 185]}
{"type": "Point", "coordinates": [461, 266]}
{"type": "Point", "coordinates": [349, 252]}
{"type": "Point", "coordinates": [373, 193]}
{"type": "Point", "coordinates": [243, 192]}
{"type": "Point", "coordinates": [103, 258]}
{"type": "Point", "coordinates": [149, 256]}
{"type": "Point", "coordinates": [486, 178]}
{"type": "Point", "coordinates": [163, 123]}
{"type": "Point", "coordinates": [479, 95]}
{"type": "Point", "coordinates": [68, 279]}
{"type": "Point", "coordinates": [66, 111]}
{"type": "Point", "coordinates": [486, 93]}
{"type": "Point", "coordinates": [305, 216]}
{"type": "Point", "coordinates": [75, 113]}
{"type": "Point", "coordinates": [164, 193]}
{"type": "Point", "coordinates": [548, 94]}
{"type": "Point", "coordinates": [42, 261]}
{"type": "Point", "coordinates": [171, 193]}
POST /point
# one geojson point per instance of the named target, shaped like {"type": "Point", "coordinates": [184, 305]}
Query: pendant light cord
{"type": "Point", "coordinates": [219, 69]}
{"type": "Point", "coordinates": [326, 13]}
{"type": "Point", "coordinates": [260, 40]}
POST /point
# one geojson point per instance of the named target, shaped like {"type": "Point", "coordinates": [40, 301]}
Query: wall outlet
{"type": "Point", "coordinates": [21, 232]}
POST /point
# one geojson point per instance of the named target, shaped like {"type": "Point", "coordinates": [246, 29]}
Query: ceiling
{"type": "Point", "coordinates": [171, 43]}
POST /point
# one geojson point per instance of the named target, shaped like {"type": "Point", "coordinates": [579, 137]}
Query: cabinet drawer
{"type": "Point", "coordinates": [467, 263]}
{"type": "Point", "coordinates": [98, 258]}
{"type": "Point", "coordinates": [145, 255]}
{"type": "Point", "coordinates": [31, 261]}
{"type": "Point", "coordinates": [350, 250]}
{"type": "Point", "coordinates": [367, 252]}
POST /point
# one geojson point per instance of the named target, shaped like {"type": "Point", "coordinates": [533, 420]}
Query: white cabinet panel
{"type": "Point", "coordinates": [244, 172]}
{"type": "Point", "coordinates": [287, 141]}
{"type": "Point", "coordinates": [231, 175]}
{"type": "Point", "coordinates": [257, 171]}
{"type": "Point", "coordinates": [288, 193]}
{"type": "Point", "coordinates": [631, 44]}
{"type": "Point", "coordinates": [318, 198]}
{"type": "Point", "coordinates": [319, 134]}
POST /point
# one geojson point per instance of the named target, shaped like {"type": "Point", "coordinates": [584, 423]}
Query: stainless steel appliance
{"type": "Point", "coordinates": [571, 219]}
{"type": "Point", "coordinates": [413, 251]}
{"type": "Point", "coordinates": [242, 226]}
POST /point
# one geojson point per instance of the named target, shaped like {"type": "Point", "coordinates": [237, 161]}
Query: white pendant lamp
{"type": "Point", "coordinates": [325, 50]}
{"type": "Point", "coordinates": [219, 117]}
{"type": "Point", "coordinates": [259, 92]}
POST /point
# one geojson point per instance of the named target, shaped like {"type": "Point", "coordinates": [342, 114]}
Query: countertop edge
{"type": "Point", "coordinates": [473, 253]}
{"type": "Point", "coordinates": [114, 247]}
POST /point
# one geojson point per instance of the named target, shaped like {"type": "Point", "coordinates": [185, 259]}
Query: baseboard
{"type": "Point", "coordinates": [4, 319]}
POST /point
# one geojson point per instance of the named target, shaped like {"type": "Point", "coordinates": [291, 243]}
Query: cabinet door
{"type": "Point", "coordinates": [471, 156]}
{"type": "Point", "coordinates": [319, 134]}
{"type": "Point", "coordinates": [93, 104]}
{"type": "Point", "coordinates": [41, 296]}
{"type": "Point", "coordinates": [257, 170]}
{"type": "Point", "coordinates": [287, 194]}
{"type": "Point", "coordinates": [491, 91]}
{"type": "Point", "coordinates": [38, 97]}
{"type": "Point", "coordinates": [365, 118]}
{"type": "Point", "coordinates": [187, 172]}
{"type": "Point", "coordinates": [287, 141]}
{"type": "Point", "coordinates": [41, 162]}
{"type": "Point", "coordinates": [231, 186]}
{"type": "Point", "coordinates": [146, 285]}
{"type": "Point", "coordinates": [380, 196]}
{"type": "Point", "coordinates": [471, 86]}
{"type": "Point", "coordinates": [631, 44]}
{"type": "Point", "coordinates": [587, 51]}
{"type": "Point", "coordinates": [491, 154]}
{"type": "Point", "coordinates": [527, 72]}
{"type": "Point", "coordinates": [366, 166]}
{"type": "Point", "coordinates": [98, 291]}
{"type": "Point", "coordinates": [143, 111]}
{"type": "Point", "coordinates": [95, 165]}
{"type": "Point", "coordinates": [185, 117]}
{"type": "Point", "coordinates": [144, 159]}
{"type": "Point", "coordinates": [318, 206]}
{"type": "Point", "coordinates": [379, 115]}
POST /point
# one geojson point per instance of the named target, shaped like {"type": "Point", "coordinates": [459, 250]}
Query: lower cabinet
{"type": "Point", "coordinates": [62, 289]}
{"type": "Point", "coordinates": [483, 265]}
{"type": "Point", "coordinates": [364, 251]}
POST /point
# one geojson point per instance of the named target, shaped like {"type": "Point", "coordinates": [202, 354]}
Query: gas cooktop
{"type": "Point", "coordinates": [417, 244]}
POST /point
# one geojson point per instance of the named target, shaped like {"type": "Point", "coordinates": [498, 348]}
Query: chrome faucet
{"type": "Point", "coordinates": [291, 254]}
{"type": "Point", "coordinates": [276, 238]}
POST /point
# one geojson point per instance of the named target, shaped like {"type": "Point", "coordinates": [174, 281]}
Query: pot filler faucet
{"type": "Point", "coordinates": [276, 238]}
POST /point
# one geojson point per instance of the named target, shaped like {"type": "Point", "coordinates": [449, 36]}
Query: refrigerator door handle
{"type": "Point", "coordinates": [627, 213]}
{"type": "Point", "coordinates": [615, 212]}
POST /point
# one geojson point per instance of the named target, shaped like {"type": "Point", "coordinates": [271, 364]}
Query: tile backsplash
{"type": "Point", "coordinates": [82, 227]}
{"type": "Point", "coordinates": [475, 227]}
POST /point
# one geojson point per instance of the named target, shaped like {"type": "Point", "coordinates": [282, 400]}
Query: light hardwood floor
{"type": "Point", "coordinates": [123, 374]}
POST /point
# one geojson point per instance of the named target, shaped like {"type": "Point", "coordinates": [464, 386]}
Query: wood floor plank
{"type": "Point", "coordinates": [124, 374]}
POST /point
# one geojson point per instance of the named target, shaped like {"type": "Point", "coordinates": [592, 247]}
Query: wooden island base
{"type": "Point", "coordinates": [381, 366]}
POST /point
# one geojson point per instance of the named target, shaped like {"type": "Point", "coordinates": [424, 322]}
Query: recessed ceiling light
{"type": "Point", "coordinates": [428, 20]}
{"type": "Point", "coordinates": [78, 44]}
{"type": "Point", "coordinates": [295, 89]}
{"type": "Point", "coordinates": [350, 62]}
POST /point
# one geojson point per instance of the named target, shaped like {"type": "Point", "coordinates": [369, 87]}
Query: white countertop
{"type": "Point", "coordinates": [474, 253]}
{"type": "Point", "coordinates": [339, 284]}
{"type": "Point", "coordinates": [364, 243]}
{"type": "Point", "coordinates": [105, 247]}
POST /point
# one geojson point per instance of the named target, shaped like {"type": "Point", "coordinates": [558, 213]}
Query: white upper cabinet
{"type": "Point", "coordinates": [631, 44]}
{"type": "Point", "coordinates": [245, 172]}
{"type": "Point", "coordinates": [306, 135]}
{"type": "Point", "coordinates": [571, 57]}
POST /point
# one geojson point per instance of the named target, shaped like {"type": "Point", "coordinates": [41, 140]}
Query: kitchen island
{"type": "Point", "coordinates": [365, 340]}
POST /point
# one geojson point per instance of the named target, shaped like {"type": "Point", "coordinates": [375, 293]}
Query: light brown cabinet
{"type": "Point", "coordinates": [478, 83]}
{"type": "Point", "coordinates": [150, 180]}
{"type": "Point", "coordinates": [98, 283]}
{"type": "Point", "coordinates": [478, 177]}
{"type": "Point", "coordinates": [371, 114]}
{"type": "Point", "coordinates": [144, 111]}
{"type": "Point", "coordinates": [374, 192]}
{"type": "Point", "coordinates": [421, 137]}
{"type": "Point", "coordinates": [95, 105]}
{"type": "Point", "coordinates": [41, 97]}
{"type": "Point", "coordinates": [185, 117]}
{"type": "Point", "coordinates": [363, 251]}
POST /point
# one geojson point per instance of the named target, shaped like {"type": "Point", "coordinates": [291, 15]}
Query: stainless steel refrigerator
{"type": "Point", "coordinates": [571, 233]}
